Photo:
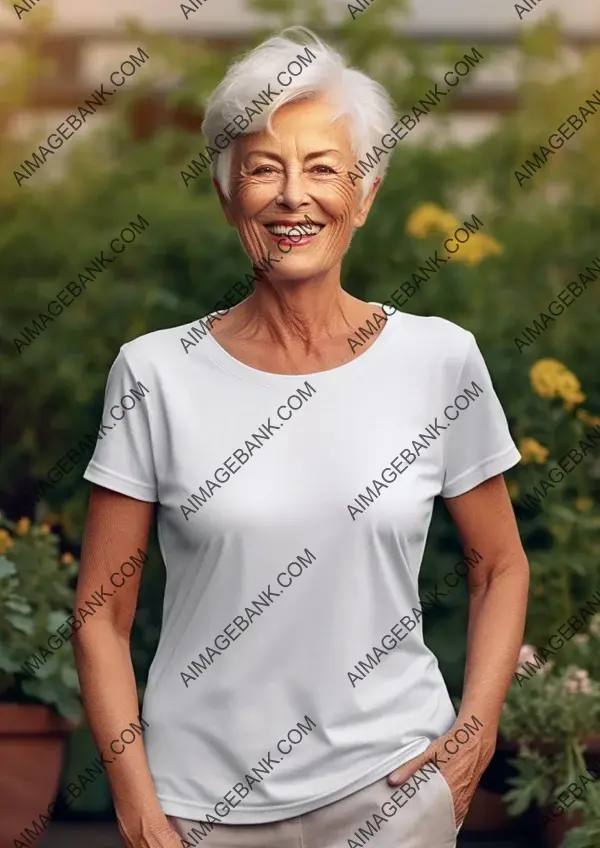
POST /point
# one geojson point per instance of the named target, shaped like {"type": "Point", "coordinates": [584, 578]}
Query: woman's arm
{"type": "Point", "coordinates": [116, 526]}
{"type": "Point", "coordinates": [498, 591]}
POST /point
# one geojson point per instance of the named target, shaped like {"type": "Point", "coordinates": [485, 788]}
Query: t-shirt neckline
{"type": "Point", "coordinates": [268, 378]}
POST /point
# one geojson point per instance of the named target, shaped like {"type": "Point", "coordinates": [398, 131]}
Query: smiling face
{"type": "Point", "coordinates": [301, 169]}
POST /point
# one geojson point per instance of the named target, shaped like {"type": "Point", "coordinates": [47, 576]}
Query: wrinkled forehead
{"type": "Point", "coordinates": [304, 128]}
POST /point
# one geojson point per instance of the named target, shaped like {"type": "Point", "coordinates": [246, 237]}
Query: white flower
{"type": "Point", "coordinates": [581, 639]}
{"type": "Point", "coordinates": [579, 681]}
{"type": "Point", "coordinates": [594, 625]}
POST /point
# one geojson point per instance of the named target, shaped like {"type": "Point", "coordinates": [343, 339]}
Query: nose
{"type": "Point", "coordinates": [293, 189]}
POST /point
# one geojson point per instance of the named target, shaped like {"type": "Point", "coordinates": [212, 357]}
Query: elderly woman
{"type": "Point", "coordinates": [292, 700]}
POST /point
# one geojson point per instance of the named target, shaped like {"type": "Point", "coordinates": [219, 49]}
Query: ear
{"type": "Point", "coordinates": [225, 204]}
{"type": "Point", "coordinates": [365, 205]}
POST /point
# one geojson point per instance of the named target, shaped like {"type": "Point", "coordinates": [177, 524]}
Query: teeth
{"type": "Point", "coordinates": [306, 229]}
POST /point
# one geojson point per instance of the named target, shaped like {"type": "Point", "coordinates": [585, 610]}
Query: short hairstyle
{"type": "Point", "coordinates": [364, 102]}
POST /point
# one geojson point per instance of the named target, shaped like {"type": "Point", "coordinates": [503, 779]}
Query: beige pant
{"type": "Point", "coordinates": [382, 815]}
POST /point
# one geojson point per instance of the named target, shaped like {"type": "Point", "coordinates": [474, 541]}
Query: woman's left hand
{"type": "Point", "coordinates": [461, 769]}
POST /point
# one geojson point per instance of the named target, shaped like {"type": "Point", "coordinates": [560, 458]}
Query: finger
{"type": "Point", "coordinates": [399, 775]}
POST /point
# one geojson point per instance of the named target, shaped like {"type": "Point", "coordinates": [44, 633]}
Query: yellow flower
{"type": "Point", "coordinates": [569, 388]}
{"type": "Point", "coordinates": [544, 375]}
{"type": "Point", "coordinates": [5, 541]}
{"type": "Point", "coordinates": [531, 451]}
{"type": "Point", "coordinates": [23, 525]}
{"type": "Point", "coordinates": [477, 248]}
{"type": "Point", "coordinates": [67, 559]}
{"type": "Point", "coordinates": [550, 378]}
{"type": "Point", "coordinates": [429, 218]}
{"type": "Point", "coordinates": [592, 420]}
{"type": "Point", "coordinates": [45, 528]}
{"type": "Point", "coordinates": [583, 504]}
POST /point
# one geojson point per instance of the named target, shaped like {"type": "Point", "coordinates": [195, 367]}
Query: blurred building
{"type": "Point", "coordinates": [87, 42]}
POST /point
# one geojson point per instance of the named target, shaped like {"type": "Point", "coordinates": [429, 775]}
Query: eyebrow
{"type": "Point", "coordinates": [272, 155]}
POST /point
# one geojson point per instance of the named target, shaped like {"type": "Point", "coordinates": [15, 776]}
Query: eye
{"type": "Point", "coordinates": [323, 169]}
{"type": "Point", "coordinates": [263, 169]}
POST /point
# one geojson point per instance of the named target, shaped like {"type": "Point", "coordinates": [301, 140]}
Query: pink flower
{"type": "Point", "coordinates": [526, 654]}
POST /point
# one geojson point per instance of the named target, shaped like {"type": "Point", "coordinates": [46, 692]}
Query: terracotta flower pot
{"type": "Point", "coordinates": [31, 750]}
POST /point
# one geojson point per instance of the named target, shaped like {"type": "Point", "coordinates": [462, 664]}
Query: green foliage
{"type": "Point", "coordinates": [565, 528]}
{"type": "Point", "coordinates": [540, 779]}
{"type": "Point", "coordinates": [551, 714]}
{"type": "Point", "coordinates": [543, 709]}
{"type": "Point", "coordinates": [35, 598]}
{"type": "Point", "coordinates": [585, 836]}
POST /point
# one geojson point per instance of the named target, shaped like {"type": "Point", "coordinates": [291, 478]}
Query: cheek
{"type": "Point", "coordinates": [340, 201]}
{"type": "Point", "coordinates": [250, 197]}
{"type": "Point", "coordinates": [251, 238]}
{"type": "Point", "coordinates": [250, 194]}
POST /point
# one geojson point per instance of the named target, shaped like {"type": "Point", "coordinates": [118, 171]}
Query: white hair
{"type": "Point", "coordinates": [354, 95]}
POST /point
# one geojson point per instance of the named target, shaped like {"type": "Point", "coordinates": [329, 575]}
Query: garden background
{"type": "Point", "coordinates": [535, 239]}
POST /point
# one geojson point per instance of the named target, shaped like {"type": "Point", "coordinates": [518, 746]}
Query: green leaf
{"type": "Point", "coordinates": [69, 707]}
{"type": "Point", "coordinates": [49, 670]}
{"type": "Point", "coordinates": [19, 622]}
{"type": "Point", "coordinates": [7, 663]}
{"type": "Point", "coordinates": [56, 620]}
{"type": "Point", "coordinates": [18, 605]}
{"type": "Point", "coordinates": [69, 677]}
{"type": "Point", "coordinates": [7, 568]}
{"type": "Point", "coordinates": [47, 691]}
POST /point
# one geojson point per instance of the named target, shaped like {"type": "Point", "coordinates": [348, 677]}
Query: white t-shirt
{"type": "Point", "coordinates": [290, 556]}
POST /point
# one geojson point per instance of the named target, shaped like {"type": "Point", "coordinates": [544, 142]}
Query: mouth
{"type": "Point", "coordinates": [294, 233]}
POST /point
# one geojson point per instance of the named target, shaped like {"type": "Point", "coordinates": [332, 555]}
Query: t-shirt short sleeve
{"type": "Point", "coordinates": [478, 442]}
{"type": "Point", "coordinates": [123, 460]}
